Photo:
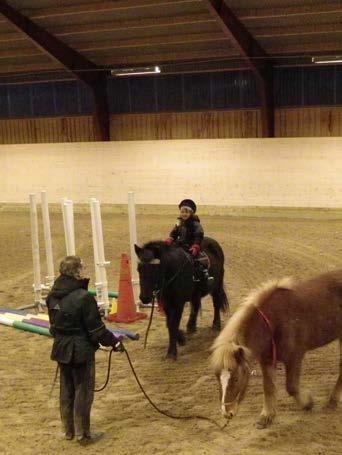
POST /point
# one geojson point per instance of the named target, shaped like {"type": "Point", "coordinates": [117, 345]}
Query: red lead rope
{"type": "Point", "coordinates": [274, 348]}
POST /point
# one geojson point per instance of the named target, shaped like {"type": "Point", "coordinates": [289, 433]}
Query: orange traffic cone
{"type": "Point", "coordinates": [126, 311]}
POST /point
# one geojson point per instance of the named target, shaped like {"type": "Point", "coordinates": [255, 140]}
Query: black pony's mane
{"type": "Point", "coordinates": [157, 247]}
{"type": "Point", "coordinates": [154, 244]}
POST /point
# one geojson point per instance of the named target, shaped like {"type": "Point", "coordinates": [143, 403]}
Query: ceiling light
{"type": "Point", "coordinates": [329, 59]}
{"type": "Point", "coordinates": [136, 71]}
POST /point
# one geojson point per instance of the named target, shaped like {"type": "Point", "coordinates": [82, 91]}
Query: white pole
{"type": "Point", "coordinates": [99, 256]}
{"type": "Point", "coordinates": [95, 247]}
{"type": "Point", "coordinates": [64, 213]}
{"type": "Point", "coordinates": [68, 222]}
{"type": "Point", "coordinates": [37, 286]}
{"type": "Point", "coordinates": [133, 241]}
{"type": "Point", "coordinates": [48, 242]}
{"type": "Point", "coordinates": [71, 226]}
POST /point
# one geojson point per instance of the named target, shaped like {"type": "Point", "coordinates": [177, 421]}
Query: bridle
{"type": "Point", "coordinates": [159, 287]}
{"type": "Point", "coordinates": [269, 326]}
{"type": "Point", "coordinates": [158, 290]}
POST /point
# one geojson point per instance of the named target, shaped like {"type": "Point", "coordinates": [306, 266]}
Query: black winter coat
{"type": "Point", "coordinates": [188, 232]}
{"type": "Point", "coordinates": [75, 322]}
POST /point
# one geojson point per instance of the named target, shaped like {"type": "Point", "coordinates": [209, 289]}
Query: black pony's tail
{"type": "Point", "coordinates": [224, 302]}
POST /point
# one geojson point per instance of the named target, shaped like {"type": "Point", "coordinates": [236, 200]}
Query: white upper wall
{"type": "Point", "coordinates": [294, 172]}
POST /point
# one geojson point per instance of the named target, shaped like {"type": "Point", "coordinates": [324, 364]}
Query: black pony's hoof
{"type": "Point", "coordinates": [331, 405]}
{"type": "Point", "coordinates": [191, 329]}
{"type": "Point", "coordinates": [181, 338]}
{"type": "Point", "coordinates": [216, 327]}
{"type": "Point", "coordinates": [171, 356]}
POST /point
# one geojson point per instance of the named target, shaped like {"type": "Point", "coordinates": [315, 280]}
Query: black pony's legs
{"type": "Point", "coordinates": [191, 326]}
{"type": "Point", "coordinates": [174, 316]}
{"type": "Point", "coordinates": [220, 302]}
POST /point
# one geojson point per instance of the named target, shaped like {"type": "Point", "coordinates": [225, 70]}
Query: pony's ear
{"type": "Point", "coordinates": [241, 354]}
{"type": "Point", "coordinates": [137, 250]}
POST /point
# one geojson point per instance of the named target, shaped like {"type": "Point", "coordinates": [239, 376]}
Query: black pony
{"type": "Point", "coordinates": [169, 271]}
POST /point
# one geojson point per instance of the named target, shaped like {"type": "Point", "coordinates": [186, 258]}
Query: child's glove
{"type": "Point", "coordinates": [194, 250]}
{"type": "Point", "coordinates": [168, 241]}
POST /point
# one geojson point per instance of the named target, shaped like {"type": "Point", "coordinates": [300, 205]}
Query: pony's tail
{"type": "Point", "coordinates": [224, 302]}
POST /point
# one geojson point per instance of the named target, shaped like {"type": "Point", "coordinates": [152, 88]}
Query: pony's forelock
{"type": "Point", "coordinates": [231, 336]}
{"type": "Point", "coordinates": [222, 357]}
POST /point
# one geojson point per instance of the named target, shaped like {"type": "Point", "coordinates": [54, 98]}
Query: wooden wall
{"type": "Point", "coordinates": [186, 125]}
{"type": "Point", "coordinates": [308, 122]}
{"type": "Point", "coordinates": [39, 130]}
{"type": "Point", "coordinates": [291, 122]}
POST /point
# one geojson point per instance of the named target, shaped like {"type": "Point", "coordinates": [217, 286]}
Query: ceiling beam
{"type": "Point", "coordinates": [238, 34]}
{"type": "Point", "coordinates": [253, 54]}
{"type": "Point", "coordinates": [81, 67]}
{"type": "Point", "coordinates": [245, 14]}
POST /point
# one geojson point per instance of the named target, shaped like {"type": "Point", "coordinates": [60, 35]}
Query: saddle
{"type": "Point", "coordinates": [201, 264]}
{"type": "Point", "coordinates": [203, 259]}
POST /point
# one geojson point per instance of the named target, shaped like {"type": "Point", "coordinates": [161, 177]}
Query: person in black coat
{"type": "Point", "coordinates": [77, 329]}
{"type": "Point", "coordinates": [188, 234]}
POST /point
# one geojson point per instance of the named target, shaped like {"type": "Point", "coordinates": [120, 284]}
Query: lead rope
{"type": "Point", "coordinates": [165, 413]}
{"type": "Point", "coordinates": [108, 372]}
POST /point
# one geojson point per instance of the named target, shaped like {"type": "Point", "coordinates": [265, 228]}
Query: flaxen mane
{"type": "Point", "coordinates": [232, 334]}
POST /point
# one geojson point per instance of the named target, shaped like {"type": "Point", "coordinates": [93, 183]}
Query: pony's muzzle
{"type": "Point", "coordinates": [227, 414]}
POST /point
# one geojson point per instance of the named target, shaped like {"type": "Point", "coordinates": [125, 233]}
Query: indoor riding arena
{"type": "Point", "coordinates": [112, 114]}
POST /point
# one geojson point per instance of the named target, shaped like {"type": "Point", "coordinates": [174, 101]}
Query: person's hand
{"type": "Point", "coordinates": [117, 345]}
{"type": "Point", "coordinates": [168, 241]}
{"type": "Point", "coordinates": [194, 250]}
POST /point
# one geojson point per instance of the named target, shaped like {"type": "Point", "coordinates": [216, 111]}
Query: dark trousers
{"type": "Point", "coordinates": [77, 382]}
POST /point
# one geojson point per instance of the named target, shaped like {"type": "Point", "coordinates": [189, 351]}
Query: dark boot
{"type": "Point", "coordinates": [89, 438]}
{"type": "Point", "coordinates": [69, 435]}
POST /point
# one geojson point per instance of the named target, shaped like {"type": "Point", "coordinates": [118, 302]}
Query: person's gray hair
{"type": "Point", "coordinates": [71, 266]}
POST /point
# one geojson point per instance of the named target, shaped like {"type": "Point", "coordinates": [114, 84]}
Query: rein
{"type": "Point", "coordinates": [151, 316]}
{"type": "Point", "coordinates": [274, 347]}
{"type": "Point", "coordinates": [165, 285]}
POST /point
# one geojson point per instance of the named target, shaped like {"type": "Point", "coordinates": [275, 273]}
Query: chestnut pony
{"type": "Point", "coordinates": [279, 321]}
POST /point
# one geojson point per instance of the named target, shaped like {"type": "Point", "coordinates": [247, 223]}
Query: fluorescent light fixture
{"type": "Point", "coordinates": [329, 59]}
{"type": "Point", "coordinates": [135, 71]}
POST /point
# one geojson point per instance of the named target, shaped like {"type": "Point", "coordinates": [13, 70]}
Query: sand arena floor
{"type": "Point", "coordinates": [256, 249]}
